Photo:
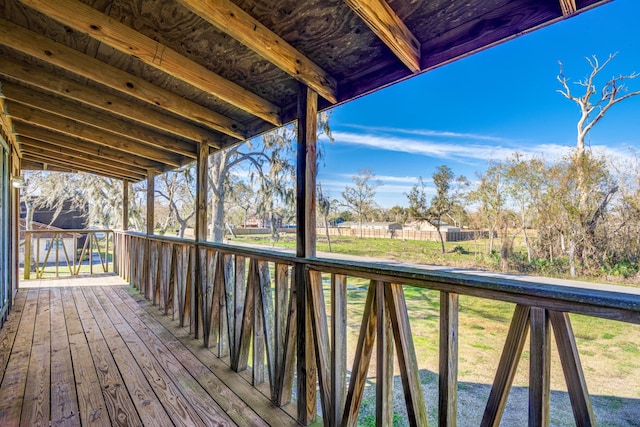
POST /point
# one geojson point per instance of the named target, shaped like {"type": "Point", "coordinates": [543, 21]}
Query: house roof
{"type": "Point", "coordinates": [122, 87]}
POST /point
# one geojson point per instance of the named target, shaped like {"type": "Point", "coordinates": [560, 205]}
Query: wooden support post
{"type": "Point", "coordinates": [448, 376]}
{"type": "Point", "coordinates": [151, 189]}
{"type": "Point", "coordinates": [125, 205]}
{"type": "Point", "coordinates": [305, 247]}
{"type": "Point", "coordinates": [338, 347]}
{"type": "Point", "coordinates": [539, 368]}
{"type": "Point", "coordinates": [306, 173]}
{"type": "Point", "coordinates": [384, 360]}
{"type": "Point", "coordinates": [201, 236]}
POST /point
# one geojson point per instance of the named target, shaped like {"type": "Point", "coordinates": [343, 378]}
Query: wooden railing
{"type": "Point", "coordinates": [247, 305]}
{"type": "Point", "coordinates": [66, 252]}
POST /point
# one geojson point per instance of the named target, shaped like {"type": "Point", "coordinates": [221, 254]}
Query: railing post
{"type": "Point", "coordinates": [448, 375]}
{"type": "Point", "coordinates": [27, 255]}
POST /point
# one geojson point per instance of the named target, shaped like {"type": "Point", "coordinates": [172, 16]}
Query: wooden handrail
{"type": "Point", "coordinates": [238, 303]}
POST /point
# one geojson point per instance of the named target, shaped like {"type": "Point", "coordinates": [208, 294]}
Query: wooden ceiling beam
{"type": "Point", "coordinates": [25, 114]}
{"type": "Point", "coordinates": [47, 50]}
{"type": "Point", "coordinates": [77, 167]}
{"type": "Point", "coordinates": [232, 20]}
{"type": "Point", "coordinates": [69, 89]}
{"type": "Point", "coordinates": [95, 150]}
{"type": "Point", "coordinates": [57, 106]}
{"type": "Point", "coordinates": [33, 165]}
{"type": "Point", "coordinates": [568, 7]}
{"type": "Point", "coordinates": [101, 27]}
{"type": "Point", "coordinates": [389, 28]}
{"type": "Point", "coordinates": [75, 163]}
{"type": "Point", "coordinates": [64, 152]}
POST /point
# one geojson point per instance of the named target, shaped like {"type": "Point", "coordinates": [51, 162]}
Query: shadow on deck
{"type": "Point", "coordinates": [83, 351]}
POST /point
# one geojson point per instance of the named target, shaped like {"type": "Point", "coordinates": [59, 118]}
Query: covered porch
{"type": "Point", "coordinates": [214, 334]}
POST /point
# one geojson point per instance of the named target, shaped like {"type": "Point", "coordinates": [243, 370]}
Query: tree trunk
{"type": "Point", "coordinates": [572, 257]}
{"type": "Point", "coordinates": [326, 231]}
{"type": "Point", "coordinates": [216, 174]}
{"type": "Point", "coordinates": [441, 238]}
{"type": "Point", "coordinates": [361, 228]}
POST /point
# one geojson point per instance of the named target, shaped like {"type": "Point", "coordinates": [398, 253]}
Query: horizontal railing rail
{"type": "Point", "coordinates": [247, 303]}
{"type": "Point", "coordinates": [51, 253]}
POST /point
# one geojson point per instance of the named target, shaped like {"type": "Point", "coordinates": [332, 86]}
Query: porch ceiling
{"type": "Point", "coordinates": [119, 87]}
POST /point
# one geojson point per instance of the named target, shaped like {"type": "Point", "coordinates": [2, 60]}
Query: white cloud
{"type": "Point", "coordinates": [465, 151]}
{"type": "Point", "coordinates": [429, 132]}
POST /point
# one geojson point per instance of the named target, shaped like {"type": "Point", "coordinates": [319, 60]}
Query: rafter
{"type": "Point", "coordinates": [95, 150]}
{"type": "Point", "coordinates": [77, 167]}
{"type": "Point", "coordinates": [75, 156]}
{"type": "Point", "coordinates": [57, 106]}
{"type": "Point", "coordinates": [99, 26]}
{"type": "Point", "coordinates": [47, 50]}
{"type": "Point", "coordinates": [568, 7]}
{"type": "Point", "coordinates": [389, 28]}
{"type": "Point", "coordinates": [58, 85]}
{"type": "Point", "coordinates": [232, 20]}
{"type": "Point", "coordinates": [40, 166]}
{"type": "Point", "coordinates": [22, 113]}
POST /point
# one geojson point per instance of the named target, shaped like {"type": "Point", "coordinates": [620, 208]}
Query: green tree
{"type": "Point", "coordinates": [359, 198]}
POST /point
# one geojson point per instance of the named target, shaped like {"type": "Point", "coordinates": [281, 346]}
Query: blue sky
{"type": "Point", "coordinates": [487, 106]}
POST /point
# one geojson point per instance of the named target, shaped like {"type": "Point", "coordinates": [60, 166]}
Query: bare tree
{"type": "Point", "coordinates": [178, 189]}
{"type": "Point", "coordinates": [324, 206]}
{"type": "Point", "coordinates": [359, 198]}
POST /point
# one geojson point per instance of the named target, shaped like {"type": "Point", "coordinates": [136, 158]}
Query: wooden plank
{"type": "Point", "coordinates": [47, 50]}
{"type": "Point", "coordinates": [146, 402]}
{"type": "Point", "coordinates": [231, 19]}
{"type": "Point", "coordinates": [448, 374]}
{"type": "Point", "coordinates": [338, 347]}
{"type": "Point", "coordinates": [241, 360]}
{"type": "Point", "coordinates": [539, 368]}
{"type": "Point", "coordinates": [572, 368]}
{"type": "Point", "coordinates": [157, 336]}
{"type": "Point", "coordinates": [119, 36]}
{"type": "Point", "coordinates": [120, 406]}
{"type": "Point", "coordinates": [186, 402]}
{"type": "Point", "coordinates": [507, 367]}
{"type": "Point", "coordinates": [568, 7]}
{"type": "Point", "coordinates": [37, 394]}
{"type": "Point", "coordinates": [239, 293]}
{"type": "Point", "coordinates": [77, 145]}
{"type": "Point", "coordinates": [306, 171]}
{"type": "Point", "coordinates": [164, 327]}
{"type": "Point", "coordinates": [70, 89]}
{"type": "Point", "coordinates": [9, 331]}
{"type": "Point", "coordinates": [77, 166]}
{"type": "Point", "coordinates": [384, 359]}
{"type": "Point", "coordinates": [227, 326]}
{"type": "Point", "coordinates": [320, 339]}
{"type": "Point", "coordinates": [91, 405]}
{"type": "Point", "coordinates": [64, 399]}
{"type": "Point", "coordinates": [288, 364]}
{"type": "Point", "coordinates": [15, 377]}
{"type": "Point", "coordinates": [267, 311]}
{"type": "Point", "coordinates": [257, 368]}
{"type": "Point", "coordinates": [58, 107]}
{"type": "Point", "coordinates": [74, 156]}
{"type": "Point", "coordinates": [409, 373]}
{"type": "Point", "coordinates": [75, 129]}
{"type": "Point", "coordinates": [389, 28]}
{"type": "Point", "coordinates": [362, 357]}
{"type": "Point", "coordinates": [306, 368]}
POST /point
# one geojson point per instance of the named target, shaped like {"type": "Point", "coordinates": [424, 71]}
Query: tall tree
{"type": "Point", "coordinates": [593, 104]}
{"type": "Point", "coordinates": [489, 196]}
{"type": "Point", "coordinates": [177, 188]}
{"type": "Point", "coordinates": [270, 160]}
{"type": "Point", "coordinates": [448, 189]}
{"type": "Point", "coordinates": [324, 206]}
{"type": "Point", "coordinates": [359, 197]}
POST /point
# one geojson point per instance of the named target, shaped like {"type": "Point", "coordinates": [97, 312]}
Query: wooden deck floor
{"type": "Point", "coordinates": [99, 355]}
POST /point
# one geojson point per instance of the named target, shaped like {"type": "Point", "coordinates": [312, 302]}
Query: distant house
{"type": "Point", "coordinates": [69, 217]}
{"type": "Point", "coordinates": [427, 226]}
{"type": "Point", "coordinates": [48, 241]}
{"type": "Point", "coordinates": [385, 226]}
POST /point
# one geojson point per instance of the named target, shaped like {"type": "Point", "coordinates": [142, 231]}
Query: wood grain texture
{"type": "Point", "coordinates": [338, 348]}
{"type": "Point", "coordinates": [320, 339]}
{"type": "Point", "coordinates": [539, 368]}
{"type": "Point", "coordinates": [231, 19]}
{"type": "Point", "coordinates": [36, 405]}
{"type": "Point", "coordinates": [64, 400]}
{"type": "Point", "coordinates": [507, 367]}
{"type": "Point", "coordinates": [384, 359]}
{"type": "Point", "coordinates": [572, 368]}
{"type": "Point", "coordinates": [384, 22]}
{"type": "Point", "coordinates": [123, 108]}
{"type": "Point", "coordinates": [409, 372]}
{"type": "Point", "coordinates": [73, 61]}
{"type": "Point", "coordinates": [568, 7]}
{"type": "Point", "coordinates": [80, 113]}
{"type": "Point", "coordinates": [306, 370]}
{"type": "Point", "coordinates": [448, 373]}
{"type": "Point", "coordinates": [364, 348]}
{"type": "Point", "coordinates": [128, 41]}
